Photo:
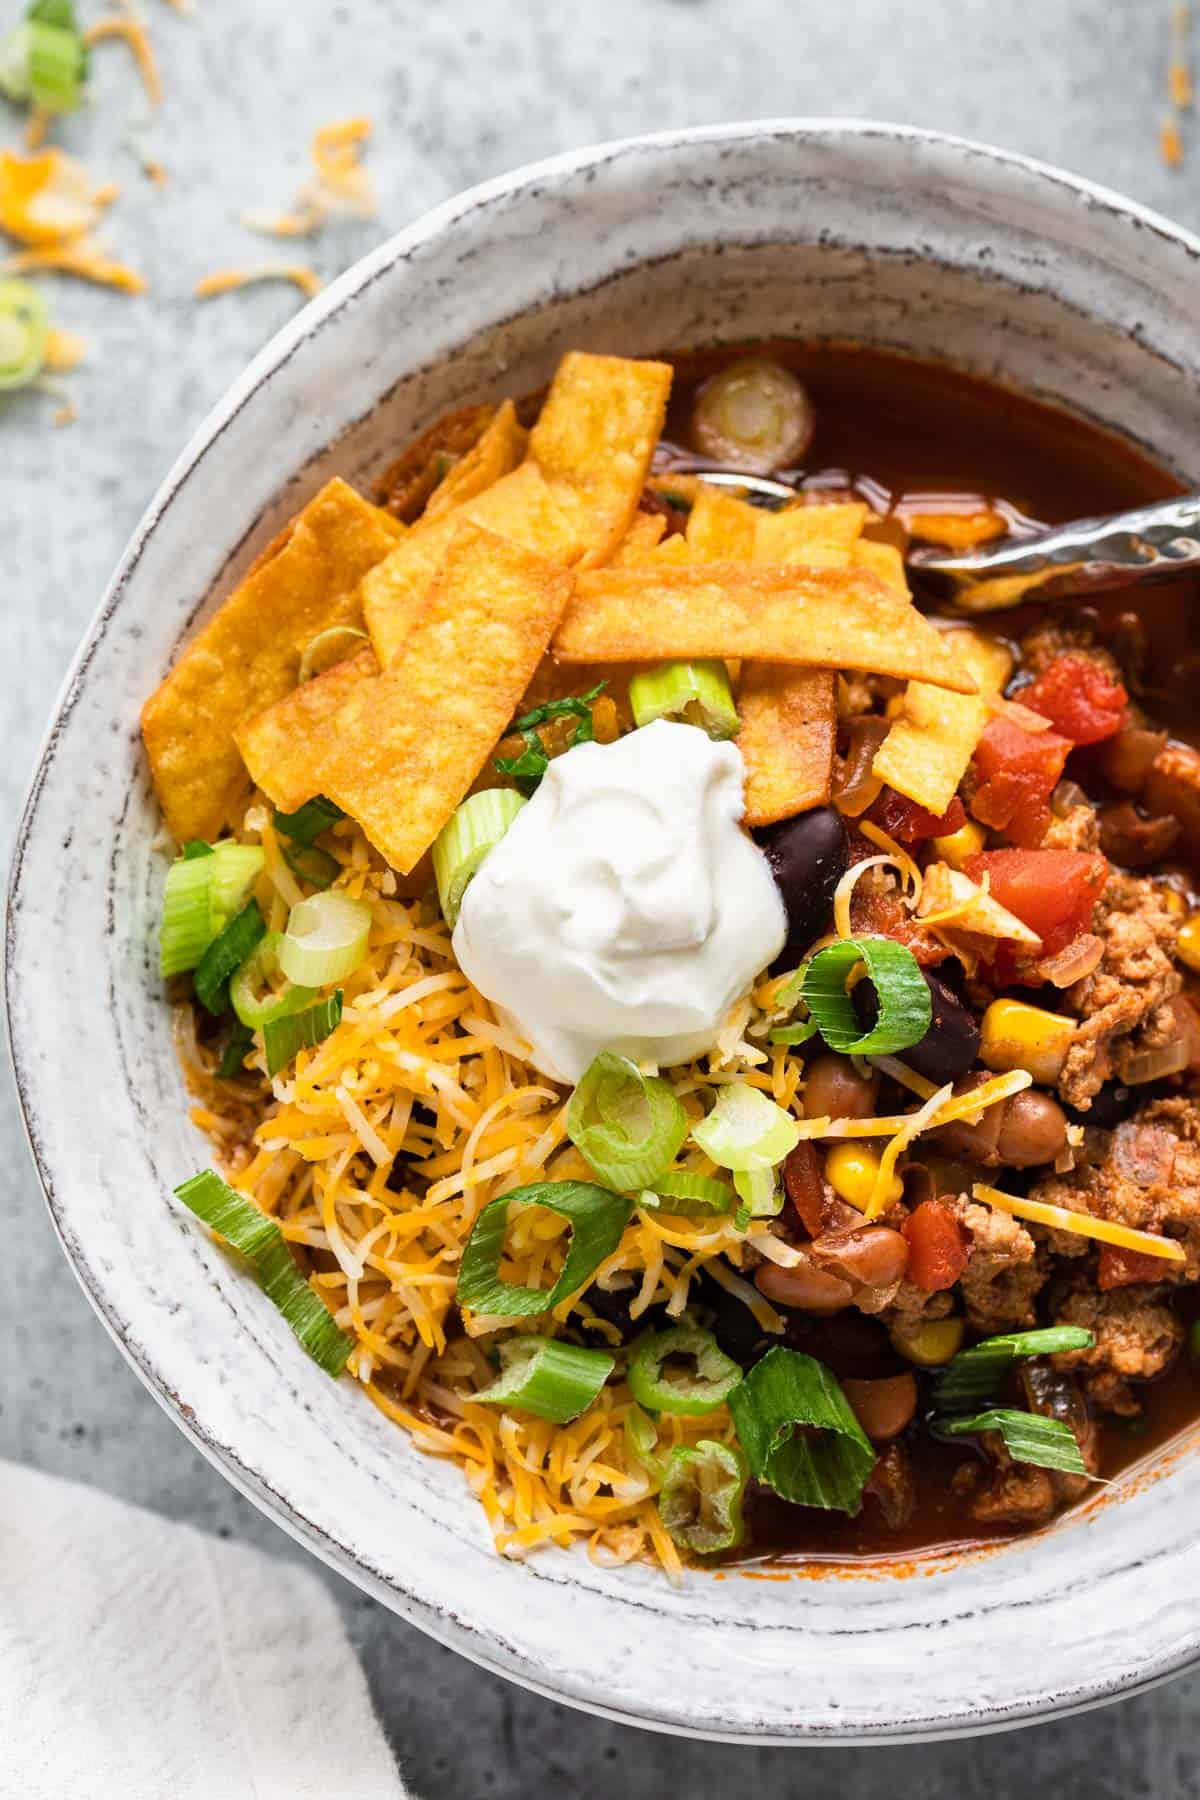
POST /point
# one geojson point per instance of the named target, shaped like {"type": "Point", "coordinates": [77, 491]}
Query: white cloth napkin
{"type": "Point", "coordinates": [143, 1661]}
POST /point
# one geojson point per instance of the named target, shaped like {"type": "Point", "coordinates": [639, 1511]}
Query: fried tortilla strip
{"type": "Point", "coordinates": [644, 534]}
{"type": "Point", "coordinates": [720, 527]}
{"type": "Point", "coordinates": [519, 506]}
{"type": "Point", "coordinates": [787, 739]}
{"type": "Point", "coordinates": [883, 560]}
{"type": "Point", "coordinates": [819, 536]}
{"type": "Point", "coordinates": [283, 746]}
{"type": "Point", "coordinates": [496, 454]}
{"type": "Point", "coordinates": [405, 748]}
{"type": "Point", "coordinates": [789, 716]}
{"type": "Point", "coordinates": [925, 754]}
{"type": "Point", "coordinates": [248, 655]}
{"type": "Point", "coordinates": [819, 618]}
{"type": "Point", "coordinates": [594, 439]}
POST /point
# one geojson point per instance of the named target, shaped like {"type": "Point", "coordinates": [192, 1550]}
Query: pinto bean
{"type": "Point", "coordinates": [1033, 1130]}
{"type": "Point", "coordinates": [805, 1287]}
{"type": "Point", "coordinates": [874, 1256]}
{"type": "Point", "coordinates": [883, 1408]}
{"type": "Point", "coordinates": [834, 1089]}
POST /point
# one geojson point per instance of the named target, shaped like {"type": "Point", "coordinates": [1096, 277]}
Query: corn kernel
{"type": "Point", "coordinates": [1187, 947]}
{"type": "Point", "coordinates": [934, 1342]}
{"type": "Point", "coordinates": [1174, 902]}
{"type": "Point", "coordinates": [968, 840]}
{"type": "Point", "coordinates": [850, 1170]}
{"type": "Point", "coordinates": [1016, 1036]}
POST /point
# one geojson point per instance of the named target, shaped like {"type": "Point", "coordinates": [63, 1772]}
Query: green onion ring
{"type": "Point", "coordinates": [597, 1217]}
{"type": "Point", "coordinates": [799, 1432]}
{"type": "Point", "coordinates": [905, 1006]}
{"type": "Point", "coordinates": [629, 1125]}
{"type": "Point", "coordinates": [544, 1376]}
{"type": "Point", "coordinates": [701, 1500]}
{"type": "Point", "coordinates": [692, 1395]}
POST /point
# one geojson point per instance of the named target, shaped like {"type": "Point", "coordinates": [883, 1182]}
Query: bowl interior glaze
{"type": "Point", "coordinates": [892, 237]}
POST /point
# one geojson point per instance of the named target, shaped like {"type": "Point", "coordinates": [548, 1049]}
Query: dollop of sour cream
{"type": "Point", "coordinates": [625, 909]}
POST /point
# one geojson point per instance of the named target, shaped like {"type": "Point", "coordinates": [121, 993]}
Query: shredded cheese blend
{"type": "Point", "coordinates": [376, 1152]}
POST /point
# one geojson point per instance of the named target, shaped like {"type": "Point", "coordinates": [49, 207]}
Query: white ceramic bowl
{"type": "Point", "coordinates": [891, 236]}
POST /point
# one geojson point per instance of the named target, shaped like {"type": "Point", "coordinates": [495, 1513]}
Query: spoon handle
{"type": "Point", "coordinates": [1151, 543]}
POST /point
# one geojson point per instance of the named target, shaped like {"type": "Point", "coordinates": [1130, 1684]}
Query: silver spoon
{"type": "Point", "coordinates": [1150, 543]}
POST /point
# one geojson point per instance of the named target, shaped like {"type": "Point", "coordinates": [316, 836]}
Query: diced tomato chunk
{"type": "Point", "coordinates": [1119, 1267]}
{"type": "Point", "coordinates": [909, 823]}
{"type": "Point", "coordinates": [1054, 892]}
{"type": "Point", "coordinates": [938, 1246]}
{"type": "Point", "coordinates": [1015, 772]}
{"type": "Point", "coordinates": [1079, 698]}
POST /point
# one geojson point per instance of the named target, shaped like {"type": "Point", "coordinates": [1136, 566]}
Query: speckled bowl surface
{"type": "Point", "coordinates": [887, 235]}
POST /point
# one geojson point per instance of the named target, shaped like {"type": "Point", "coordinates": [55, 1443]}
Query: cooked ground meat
{"type": "Point", "coordinates": [1077, 829]}
{"type": "Point", "coordinates": [1123, 1006]}
{"type": "Point", "coordinates": [1001, 1492]}
{"type": "Point", "coordinates": [913, 1307]}
{"type": "Point", "coordinates": [1064, 637]}
{"type": "Point", "coordinates": [1136, 1337]}
{"type": "Point", "coordinates": [1149, 1179]}
{"type": "Point", "coordinates": [1004, 1273]}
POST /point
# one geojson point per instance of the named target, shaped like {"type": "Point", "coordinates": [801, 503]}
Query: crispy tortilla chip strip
{"type": "Point", "coordinates": [519, 506]}
{"type": "Point", "coordinates": [955, 531]}
{"type": "Point", "coordinates": [497, 453]}
{"type": "Point", "coordinates": [787, 739]}
{"type": "Point", "coordinates": [789, 716]}
{"type": "Point", "coordinates": [406, 747]}
{"type": "Point", "coordinates": [248, 655]}
{"type": "Point", "coordinates": [594, 439]}
{"type": "Point", "coordinates": [820, 618]}
{"type": "Point", "coordinates": [644, 534]}
{"type": "Point", "coordinates": [283, 747]}
{"type": "Point", "coordinates": [925, 754]}
{"type": "Point", "coordinates": [720, 527]}
{"type": "Point", "coordinates": [883, 560]}
{"type": "Point", "coordinates": [820, 536]}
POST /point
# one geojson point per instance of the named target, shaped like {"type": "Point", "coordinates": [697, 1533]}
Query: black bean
{"type": "Point", "coordinates": [1110, 1107]}
{"type": "Point", "coordinates": [808, 857]}
{"type": "Point", "coordinates": [951, 1045]}
{"type": "Point", "coordinates": [612, 1305]}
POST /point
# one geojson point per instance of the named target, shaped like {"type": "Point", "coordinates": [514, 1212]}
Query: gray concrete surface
{"type": "Point", "coordinates": [458, 91]}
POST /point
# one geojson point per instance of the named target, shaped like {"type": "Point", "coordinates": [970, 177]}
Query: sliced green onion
{"type": "Point", "coordinates": [195, 847]}
{"type": "Point", "coordinates": [286, 1036]}
{"type": "Point", "coordinates": [1028, 1438]}
{"type": "Point", "coordinates": [641, 1442]}
{"type": "Point", "coordinates": [528, 768]}
{"type": "Point", "coordinates": [259, 1238]}
{"type": "Point", "coordinates": [698, 693]}
{"type": "Point", "coordinates": [660, 1389]}
{"type": "Point", "coordinates": [187, 923]}
{"type": "Point", "coordinates": [597, 1218]}
{"type": "Point", "coordinates": [225, 956]}
{"type": "Point", "coordinates": [974, 1374]}
{"type": "Point", "coordinates": [307, 863]}
{"type": "Point", "coordinates": [44, 60]}
{"type": "Point", "coordinates": [468, 836]}
{"type": "Point", "coordinates": [693, 1196]}
{"type": "Point", "coordinates": [905, 1006]}
{"type": "Point", "coordinates": [327, 648]}
{"type": "Point", "coordinates": [629, 1125]}
{"type": "Point", "coordinates": [760, 1191]}
{"type": "Point", "coordinates": [234, 1055]}
{"type": "Point", "coordinates": [800, 1434]}
{"type": "Point", "coordinates": [793, 1034]}
{"type": "Point", "coordinates": [235, 868]}
{"type": "Point", "coordinates": [309, 820]}
{"type": "Point", "coordinates": [24, 328]}
{"type": "Point", "coordinates": [250, 992]}
{"type": "Point", "coordinates": [745, 1130]}
{"type": "Point", "coordinates": [701, 1500]}
{"type": "Point", "coordinates": [542, 1375]}
{"type": "Point", "coordinates": [325, 940]}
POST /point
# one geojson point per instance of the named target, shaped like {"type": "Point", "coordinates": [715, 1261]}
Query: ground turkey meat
{"type": "Point", "coordinates": [1002, 1492]}
{"type": "Point", "coordinates": [1005, 1271]}
{"type": "Point", "coordinates": [1077, 829]}
{"type": "Point", "coordinates": [1124, 1005]}
{"type": "Point", "coordinates": [1136, 1337]}
{"type": "Point", "coordinates": [1064, 637]}
{"type": "Point", "coordinates": [1150, 1179]}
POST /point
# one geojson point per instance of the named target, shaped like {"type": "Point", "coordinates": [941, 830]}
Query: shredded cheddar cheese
{"type": "Point", "coordinates": [1061, 1218]}
{"type": "Point", "coordinates": [132, 32]}
{"type": "Point", "coordinates": [377, 1150]}
{"type": "Point", "coordinates": [49, 199]}
{"type": "Point", "coordinates": [225, 281]}
{"type": "Point", "coordinates": [81, 258]}
{"type": "Point", "coordinates": [340, 184]}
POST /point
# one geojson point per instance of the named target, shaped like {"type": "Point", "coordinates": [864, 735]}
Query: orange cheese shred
{"type": "Point", "coordinates": [1061, 1218]}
